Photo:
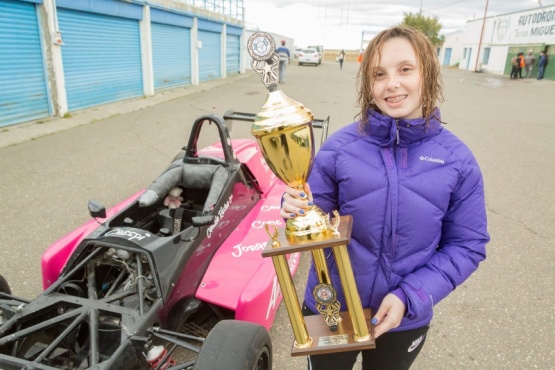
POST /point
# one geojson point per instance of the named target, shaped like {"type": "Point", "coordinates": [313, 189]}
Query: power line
{"type": "Point", "coordinates": [445, 6]}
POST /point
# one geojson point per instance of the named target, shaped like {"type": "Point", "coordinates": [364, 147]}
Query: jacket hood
{"type": "Point", "coordinates": [385, 130]}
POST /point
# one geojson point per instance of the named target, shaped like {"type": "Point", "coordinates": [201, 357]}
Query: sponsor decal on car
{"type": "Point", "coordinates": [127, 234]}
{"type": "Point", "coordinates": [239, 249]}
{"type": "Point", "coordinates": [270, 208]}
{"type": "Point", "coordinates": [219, 216]}
{"type": "Point", "coordinates": [260, 224]}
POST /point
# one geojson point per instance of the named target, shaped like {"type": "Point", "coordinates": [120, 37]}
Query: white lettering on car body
{"type": "Point", "coordinates": [270, 208]}
{"type": "Point", "coordinates": [219, 216]}
{"type": "Point", "coordinates": [126, 234]}
{"type": "Point", "coordinates": [260, 224]}
{"type": "Point", "coordinates": [239, 249]}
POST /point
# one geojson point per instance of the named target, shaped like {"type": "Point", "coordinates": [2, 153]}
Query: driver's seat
{"type": "Point", "coordinates": [189, 176]}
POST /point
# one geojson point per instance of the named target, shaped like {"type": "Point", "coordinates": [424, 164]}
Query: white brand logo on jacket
{"type": "Point", "coordinates": [430, 159]}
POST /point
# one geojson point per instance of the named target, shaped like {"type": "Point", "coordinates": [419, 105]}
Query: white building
{"type": "Point", "coordinates": [450, 53]}
{"type": "Point", "coordinates": [489, 45]}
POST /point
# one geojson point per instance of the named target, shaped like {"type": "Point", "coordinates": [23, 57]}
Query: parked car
{"type": "Point", "coordinates": [297, 51]}
{"type": "Point", "coordinates": [309, 56]}
{"type": "Point", "coordinates": [141, 280]}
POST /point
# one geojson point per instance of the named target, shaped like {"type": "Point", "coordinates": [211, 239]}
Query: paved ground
{"type": "Point", "coordinates": [501, 318]}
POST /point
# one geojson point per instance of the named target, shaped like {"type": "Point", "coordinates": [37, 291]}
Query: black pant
{"type": "Point", "coordinates": [394, 351]}
{"type": "Point", "coordinates": [514, 72]}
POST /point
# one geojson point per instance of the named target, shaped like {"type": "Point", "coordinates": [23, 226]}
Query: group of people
{"type": "Point", "coordinates": [527, 63]}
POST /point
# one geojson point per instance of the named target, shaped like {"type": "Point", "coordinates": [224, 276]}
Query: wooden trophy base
{"type": "Point", "coordinates": [326, 341]}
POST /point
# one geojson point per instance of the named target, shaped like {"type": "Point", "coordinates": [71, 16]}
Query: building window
{"type": "Point", "coordinates": [464, 53]}
{"type": "Point", "coordinates": [486, 55]}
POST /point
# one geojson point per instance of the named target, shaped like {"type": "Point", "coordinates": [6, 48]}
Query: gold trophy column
{"type": "Point", "coordinates": [283, 130]}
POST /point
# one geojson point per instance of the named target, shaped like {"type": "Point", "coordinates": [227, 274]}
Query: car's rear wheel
{"type": "Point", "coordinates": [236, 345]}
{"type": "Point", "coordinates": [4, 287]}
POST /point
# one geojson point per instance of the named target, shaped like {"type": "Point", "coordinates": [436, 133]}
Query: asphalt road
{"type": "Point", "coordinates": [501, 318]}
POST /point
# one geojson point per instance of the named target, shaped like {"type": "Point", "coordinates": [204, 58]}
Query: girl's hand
{"type": "Point", "coordinates": [296, 201]}
{"type": "Point", "coordinates": [389, 315]}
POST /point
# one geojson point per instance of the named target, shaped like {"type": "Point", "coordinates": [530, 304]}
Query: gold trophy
{"type": "Point", "coordinates": [283, 129]}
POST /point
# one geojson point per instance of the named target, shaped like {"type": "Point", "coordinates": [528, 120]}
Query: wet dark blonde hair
{"type": "Point", "coordinates": [430, 77]}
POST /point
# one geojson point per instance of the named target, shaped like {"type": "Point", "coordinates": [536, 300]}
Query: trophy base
{"type": "Point", "coordinates": [326, 341]}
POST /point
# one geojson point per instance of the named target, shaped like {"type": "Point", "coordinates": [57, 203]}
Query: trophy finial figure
{"type": "Point", "coordinates": [265, 60]}
{"type": "Point", "coordinates": [273, 235]}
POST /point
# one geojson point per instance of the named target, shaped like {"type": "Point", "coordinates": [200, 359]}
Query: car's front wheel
{"type": "Point", "coordinates": [4, 287]}
{"type": "Point", "coordinates": [236, 345]}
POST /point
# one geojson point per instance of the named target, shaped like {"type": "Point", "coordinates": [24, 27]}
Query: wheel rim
{"type": "Point", "coordinates": [263, 362]}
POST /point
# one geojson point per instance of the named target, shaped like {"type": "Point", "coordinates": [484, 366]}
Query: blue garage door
{"type": "Point", "coordinates": [232, 54]}
{"type": "Point", "coordinates": [209, 55]}
{"type": "Point", "coordinates": [171, 55]}
{"type": "Point", "coordinates": [447, 57]}
{"type": "Point", "coordinates": [101, 56]}
{"type": "Point", "coordinates": [23, 92]}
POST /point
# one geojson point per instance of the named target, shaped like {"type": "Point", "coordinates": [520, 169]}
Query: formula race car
{"type": "Point", "coordinates": [147, 285]}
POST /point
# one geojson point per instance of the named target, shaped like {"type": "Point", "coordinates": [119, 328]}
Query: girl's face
{"type": "Point", "coordinates": [396, 90]}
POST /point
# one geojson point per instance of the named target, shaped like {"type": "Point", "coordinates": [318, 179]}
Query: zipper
{"type": "Point", "coordinates": [397, 130]}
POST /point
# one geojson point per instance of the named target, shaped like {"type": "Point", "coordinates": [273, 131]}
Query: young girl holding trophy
{"type": "Point", "coordinates": [415, 193]}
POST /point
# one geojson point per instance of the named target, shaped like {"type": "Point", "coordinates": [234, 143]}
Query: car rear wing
{"type": "Point", "coordinates": [323, 124]}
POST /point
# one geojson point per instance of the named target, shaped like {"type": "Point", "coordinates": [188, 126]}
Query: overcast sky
{"type": "Point", "coordinates": [339, 24]}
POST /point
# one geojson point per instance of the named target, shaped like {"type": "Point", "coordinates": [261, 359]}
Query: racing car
{"type": "Point", "coordinates": [142, 285]}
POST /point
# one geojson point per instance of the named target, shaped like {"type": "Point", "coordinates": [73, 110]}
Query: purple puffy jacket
{"type": "Point", "coordinates": [416, 196]}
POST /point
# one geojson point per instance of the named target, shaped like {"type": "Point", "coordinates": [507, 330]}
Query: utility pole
{"type": "Point", "coordinates": [481, 35]}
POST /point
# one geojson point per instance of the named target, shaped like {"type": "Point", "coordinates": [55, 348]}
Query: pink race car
{"type": "Point", "coordinates": [176, 266]}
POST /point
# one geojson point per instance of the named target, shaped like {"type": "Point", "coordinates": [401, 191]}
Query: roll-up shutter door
{"type": "Point", "coordinates": [171, 55]}
{"type": "Point", "coordinates": [101, 56]}
{"type": "Point", "coordinates": [232, 54]}
{"type": "Point", "coordinates": [209, 56]}
{"type": "Point", "coordinates": [23, 92]}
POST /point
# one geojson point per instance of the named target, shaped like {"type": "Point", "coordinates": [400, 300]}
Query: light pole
{"type": "Point", "coordinates": [481, 35]}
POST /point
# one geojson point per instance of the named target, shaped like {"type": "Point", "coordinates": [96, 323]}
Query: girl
{"type": "Point", "coordinates": [415, 193]}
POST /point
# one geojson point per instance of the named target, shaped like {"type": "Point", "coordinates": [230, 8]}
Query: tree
{"type": "Point", "coordinates": [430, 26]}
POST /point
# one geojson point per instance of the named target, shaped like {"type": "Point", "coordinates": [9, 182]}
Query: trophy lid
{"type": "Point", "coordinates": [280, 113]}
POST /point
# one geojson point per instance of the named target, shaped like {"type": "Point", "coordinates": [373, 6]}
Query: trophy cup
{"type": "Point", "coordinates": [283, 130]}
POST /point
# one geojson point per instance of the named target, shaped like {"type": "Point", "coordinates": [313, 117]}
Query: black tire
{"type": "Point", "coordinates": [4, 287]}
{"type": "Point", "coordinates": [300, 64]}
{"type": "Point", "coordinates": [236, 345]}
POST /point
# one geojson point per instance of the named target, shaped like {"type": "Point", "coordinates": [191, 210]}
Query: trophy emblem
{"type": "Point", "coordinates": [283, 130]}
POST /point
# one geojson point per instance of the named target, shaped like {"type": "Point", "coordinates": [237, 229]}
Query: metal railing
{"type": "Point", "coordinates": [230, 8]}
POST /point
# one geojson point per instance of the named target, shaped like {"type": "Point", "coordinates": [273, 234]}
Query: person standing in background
{"type": "Point", "coordinates": [520, 59]}
{"type": "Point", "coordinates": [529, 61]}
{"type": "Point", "coordinates": [514, 67]}
{"type": "Point", "coordinates": [284, 56]}
{"type": "Point", "coordinates": [542, 63]}
{"type": "Point", "coordinates": [341, 58]}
